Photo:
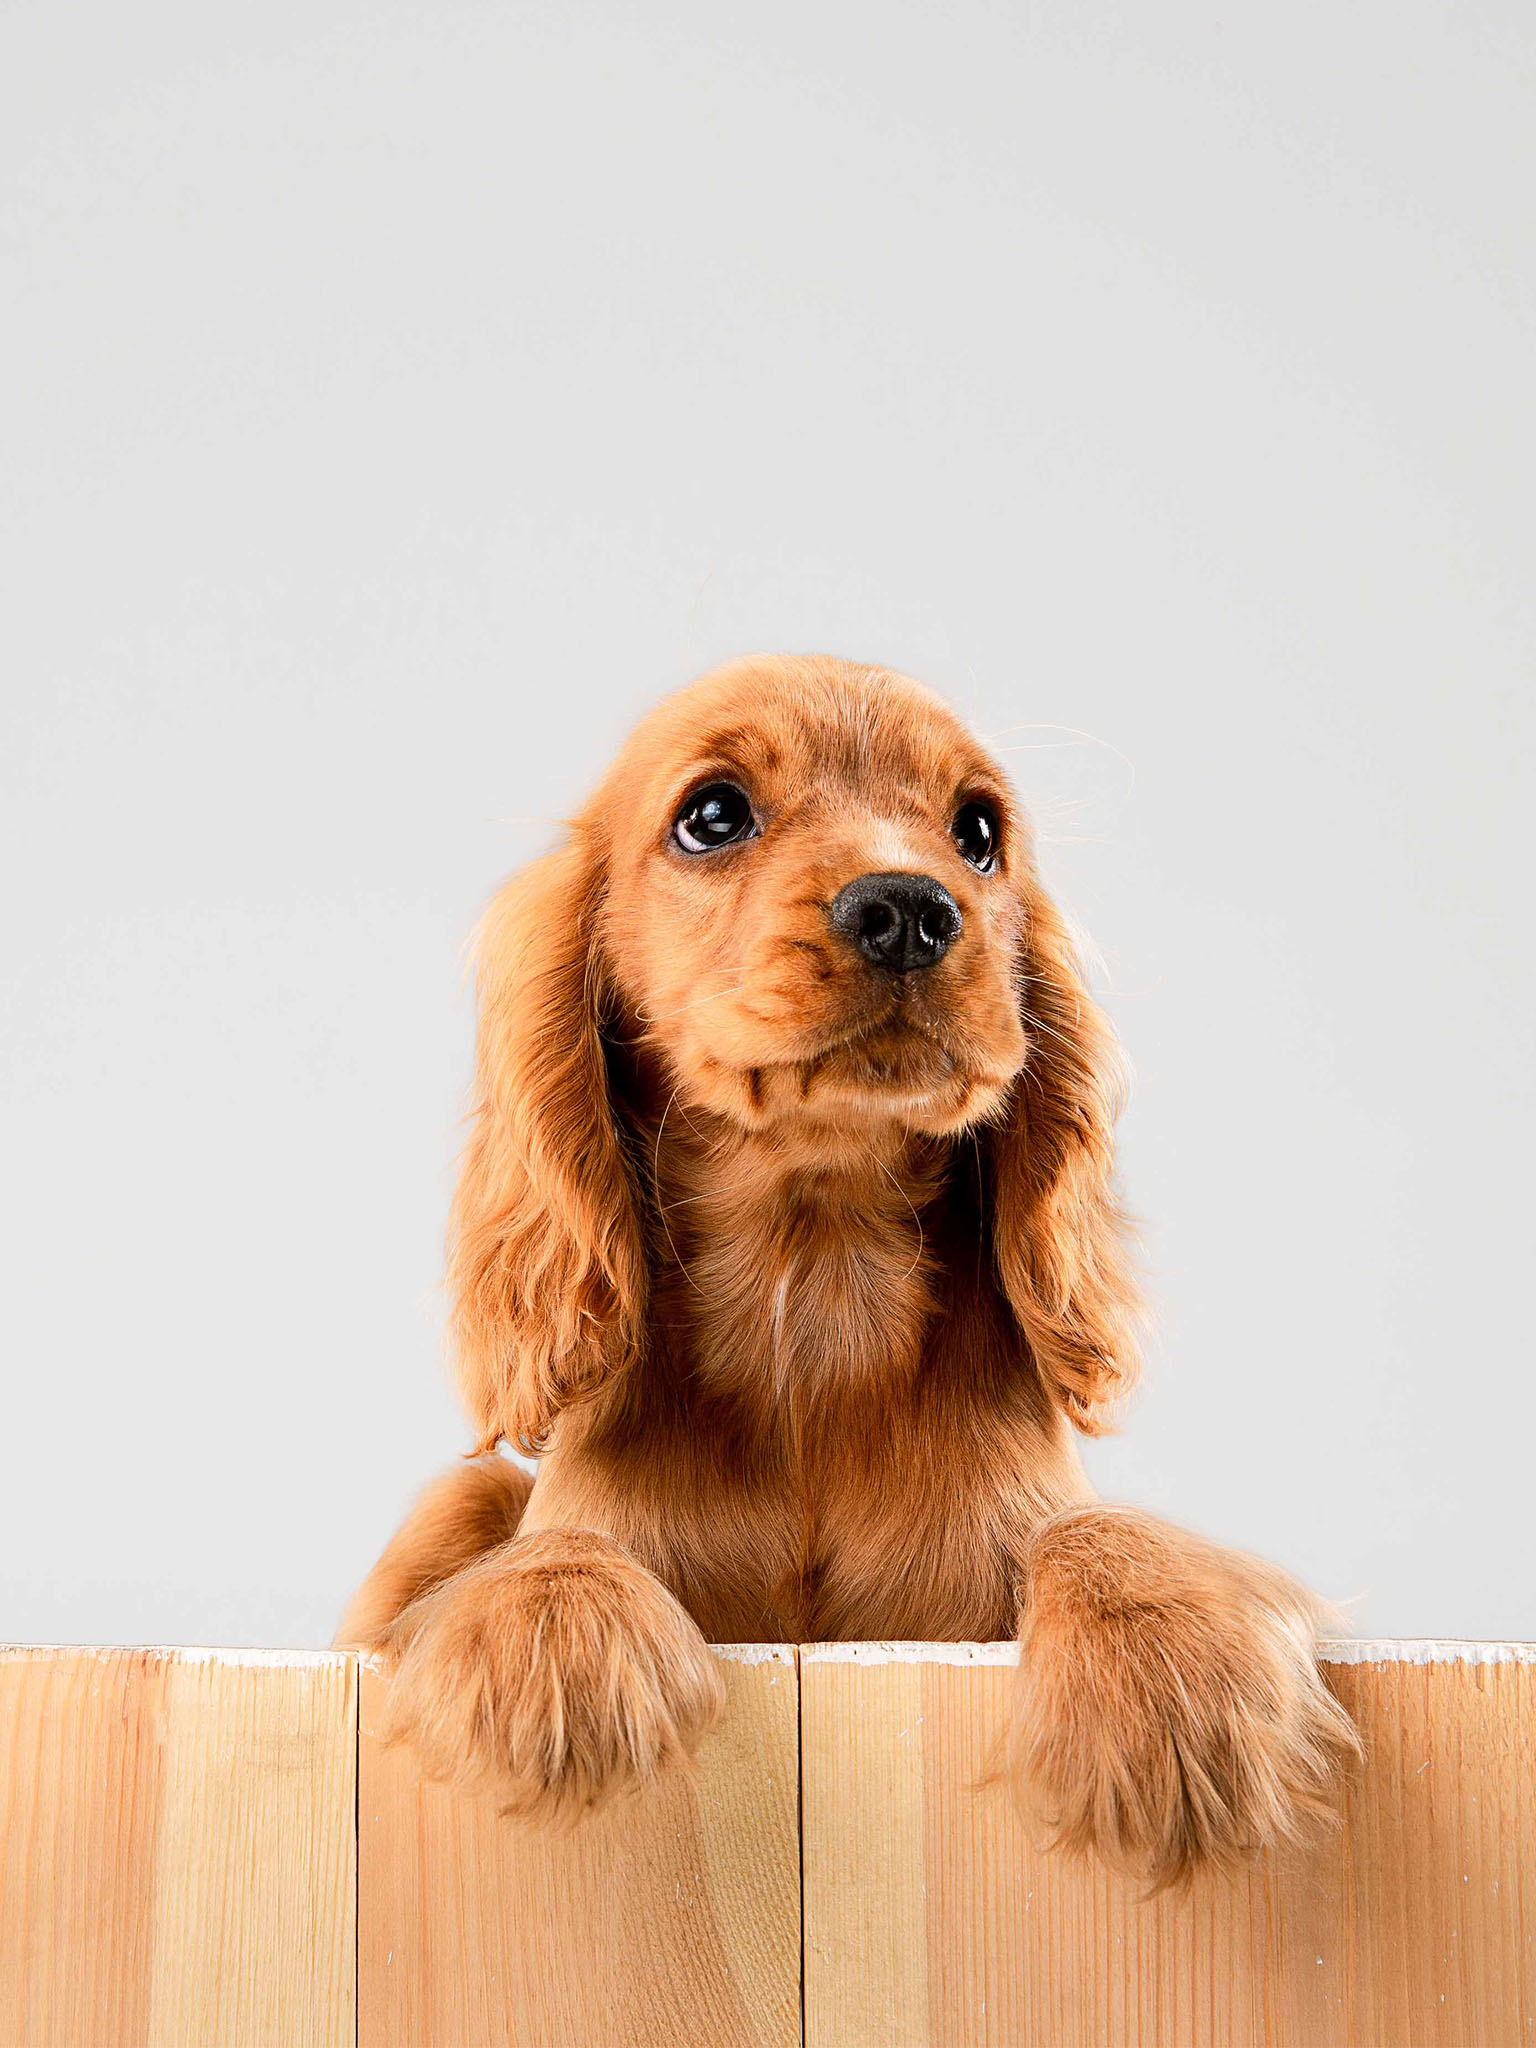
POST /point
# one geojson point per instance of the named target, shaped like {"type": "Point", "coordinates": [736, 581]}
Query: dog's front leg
{"type": "Point", "coordinates": [553, 1671]}
{"type": "Point", "coordinates": [1169, 1711]}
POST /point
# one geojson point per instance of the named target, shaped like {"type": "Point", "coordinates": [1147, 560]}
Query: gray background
{"type": "Point", "coordinates": [397, 399]}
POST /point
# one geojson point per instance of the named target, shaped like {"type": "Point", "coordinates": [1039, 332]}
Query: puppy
{"type": "Point", "coordinates": [787, 1234]}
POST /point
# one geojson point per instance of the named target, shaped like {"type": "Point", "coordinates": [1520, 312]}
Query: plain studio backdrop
{"type": "Point", "coordinates": [398, 399]}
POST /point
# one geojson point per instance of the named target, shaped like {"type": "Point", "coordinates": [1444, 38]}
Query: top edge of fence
{"type": "Point", "coordinates": [1423, 1650]}
{"type": "Point", "coordinates": [909, 1653]}
{"type": "Point", "coordinates": [188, 1653]}
{"type": "Point", "coordinates": [1335, 1650]}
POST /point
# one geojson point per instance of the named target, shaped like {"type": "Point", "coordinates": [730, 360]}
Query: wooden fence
{"type": "Point", "coordinates": [211, 1849]}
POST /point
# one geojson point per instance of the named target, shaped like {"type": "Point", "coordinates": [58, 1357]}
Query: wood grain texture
{"type": "Point", "coordinates": [932, 1921]}
{"type": "Point", "coordinates": [177, 1866]}
{"type": "Point", "coordinates": [671, 1917]}
{"type": "Point", "coordinates": [177, 1849]}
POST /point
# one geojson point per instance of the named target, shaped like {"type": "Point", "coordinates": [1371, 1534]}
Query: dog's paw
{"type": "Point", "coordinates": [553, 1672]}
{"type": "Point", "coordinates": [1169, 1711]}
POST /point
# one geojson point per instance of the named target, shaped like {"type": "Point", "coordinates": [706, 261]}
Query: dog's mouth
{"type": "Point", "coordinates": [897, 1053]}
{"type": "Point", "coordinates": [899, 1063]}
{"type": "Point", "coordinates": [932, 1060]}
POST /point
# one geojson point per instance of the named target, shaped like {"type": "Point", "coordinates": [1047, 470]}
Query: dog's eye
{"type": "Point", "coordinates": [977, 834]}
{"type": "Point", "coordinates": [717, 815]}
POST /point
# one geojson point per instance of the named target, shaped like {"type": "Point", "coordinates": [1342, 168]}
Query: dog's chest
{"type": "Point", "coordinates": [911, 1532]}
{"type": "Point", "coordinates": [854, 1443]}
{"type": "Point", "coordinates": [807, 1303]}
{"type": "Point", "coordinates": [831, 1523]}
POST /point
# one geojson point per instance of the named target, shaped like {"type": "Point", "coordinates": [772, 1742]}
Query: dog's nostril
{"type": "Point", "coordinates": [900, 922]}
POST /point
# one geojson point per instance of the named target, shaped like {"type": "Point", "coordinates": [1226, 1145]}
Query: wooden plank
{"type": "Point", "coordinates": [933, 1922]}
{"type": "Point", "coordinates": [177, 1849]}
{"type": "Point", "coordinates": [670, 1917]}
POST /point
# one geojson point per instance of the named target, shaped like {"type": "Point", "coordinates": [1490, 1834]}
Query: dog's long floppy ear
{"type": "Point", "coordinates": [546, 1269]}
{"type": "Point", "coordinates": [1060, 1237]}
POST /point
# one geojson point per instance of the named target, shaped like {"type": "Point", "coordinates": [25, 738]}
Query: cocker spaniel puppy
{"type": "Point", "coordinates": [787, 1234]}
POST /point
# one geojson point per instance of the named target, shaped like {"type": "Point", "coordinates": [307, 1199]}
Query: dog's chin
{"type": "Point", "coordinates": [899, 1078]}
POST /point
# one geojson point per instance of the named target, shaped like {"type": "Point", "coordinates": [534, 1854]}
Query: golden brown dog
{"type": "Point", "coordinates": [787, 1232]}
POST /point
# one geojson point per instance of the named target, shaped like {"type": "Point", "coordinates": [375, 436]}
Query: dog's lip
{"type": "Point", "coordinates": [882, 1076]}
{"type": "Point", "coordinates": [852, 1037]}
{"type": "Point", "coordinates": [966, 1064]}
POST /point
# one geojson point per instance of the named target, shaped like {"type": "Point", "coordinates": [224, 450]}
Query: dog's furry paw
{"type": "Point", "coordinates": [554, 1672]}
{"type": "Point", "coordinates": [1169, 1711]}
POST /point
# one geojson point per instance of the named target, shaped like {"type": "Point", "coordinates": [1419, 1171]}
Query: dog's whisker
{"type": "Point", "coordinates": [1075, 735]}
{"type": "Point", "coordinates": [896, 1184]}
{"type": "Point", "coordinates": [1034, 747]}
{"type": "Point", "coordinates": [1038, 1024]}
{"type": "Point", "coordinates": [649, 1017]}
{"type": "Point", "coordinates": [686, 1201]}
{"type": "Point", "coordinates": [655, 1183]}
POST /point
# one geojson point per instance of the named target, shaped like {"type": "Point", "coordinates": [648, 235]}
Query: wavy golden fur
{"type": "Point", "coordinates": [800, 1262]}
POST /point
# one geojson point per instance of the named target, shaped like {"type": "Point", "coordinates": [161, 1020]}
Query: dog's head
{"type": "Point", "coordinates": [814, 902]}
{"type": "Point", "coordinates": [806, 895]}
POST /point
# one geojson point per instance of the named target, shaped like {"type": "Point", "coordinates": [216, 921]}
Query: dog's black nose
{"type": "Point", "coordinates": [901, 922]}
